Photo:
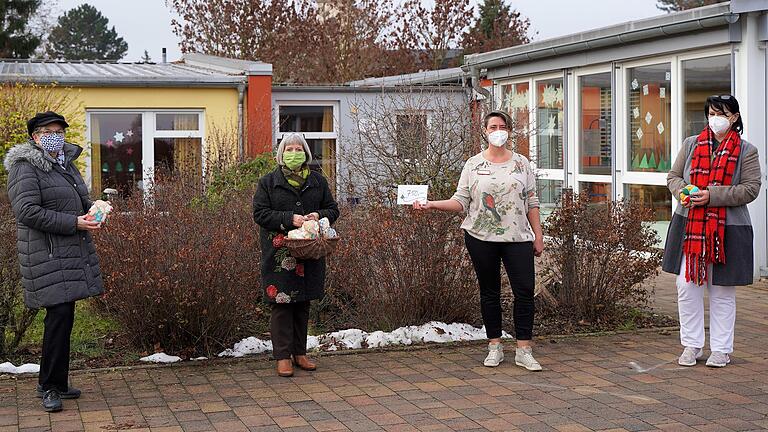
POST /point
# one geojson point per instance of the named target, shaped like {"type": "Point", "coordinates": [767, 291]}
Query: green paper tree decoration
{"type": "Point", "coordinates": [644, 163]}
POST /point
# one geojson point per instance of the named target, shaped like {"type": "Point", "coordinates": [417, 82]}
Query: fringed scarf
{"type": "Point", "coordinates": [296, 178]}
{"type": "Point", "coordinates": [705, 230]}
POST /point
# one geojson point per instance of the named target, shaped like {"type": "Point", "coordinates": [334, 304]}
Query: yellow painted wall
{"type": "Point", "coordinates": [219, 104]}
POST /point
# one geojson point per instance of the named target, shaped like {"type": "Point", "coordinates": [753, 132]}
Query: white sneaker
{"type": "Point", "coordinates": [524, 358]}
{"type": "Point", "coordinates": [495, 355]}
{"type": "Point", "coordinates": [689, 356]}
{"type": "Point", "coordinates": [718, 359]}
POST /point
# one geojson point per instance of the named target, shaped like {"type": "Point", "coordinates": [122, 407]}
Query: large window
{"type": "Point", "coordinates": [649, 106]}
{"type": "Point", "coordinates": [411, 134]}
{"type": "Point", "coordinates": [549, 192]}
{"type": "Point", "coordinates": [128, 147]}
{"type": "Point", "coordinates": [597, 192]}
{"type": "Point", "coordinates": [514, 100]}
{"type": "Point", "coordinates": [595, 124]}
{"type": "Point", "coordinates": [658, 199]}
{"type": "Point", "coordinates": [549, 124]}
{"type": "Point", "coordinates": [702, 78]}
{"type": "Point", "coordinates": [318, 125]}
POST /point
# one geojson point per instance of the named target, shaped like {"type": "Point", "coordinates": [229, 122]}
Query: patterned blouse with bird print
{"type": "Point", "coordinates": [497, 198]}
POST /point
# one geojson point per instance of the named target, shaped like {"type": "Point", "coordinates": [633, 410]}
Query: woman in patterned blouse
{"type": "Point", "coordinates": [497, 191]}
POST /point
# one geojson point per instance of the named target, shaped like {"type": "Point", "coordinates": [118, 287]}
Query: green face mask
{"type": "Point", "coordinates": [295, 159]}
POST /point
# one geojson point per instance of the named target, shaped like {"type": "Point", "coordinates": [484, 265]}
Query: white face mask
{"type": "Point", "coordinates": [498, 138]}
{"type": "Point", "coordinates": [719, 125]}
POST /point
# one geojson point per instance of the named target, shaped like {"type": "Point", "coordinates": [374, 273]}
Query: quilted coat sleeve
{"type": "Point", "coordinates": [25, 196]}
{"type": "Point", "coordinates": [263, 213]}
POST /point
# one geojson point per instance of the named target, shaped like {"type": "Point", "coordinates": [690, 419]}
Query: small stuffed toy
{"type": "Point", "coordinates": [99, 211]}
{"type": "Point", "coordinates": [685, 193]}
{"type": "Point", "coordinates": [313, 229]}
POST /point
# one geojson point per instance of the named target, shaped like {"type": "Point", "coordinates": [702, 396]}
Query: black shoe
{"type": "Point", "coordinates": [71, 393]}
{"type": "Point", "coordinates": [52, 401]}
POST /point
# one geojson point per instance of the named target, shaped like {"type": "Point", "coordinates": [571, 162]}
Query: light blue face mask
{"type": "Point", "coordinates": [52, 143]}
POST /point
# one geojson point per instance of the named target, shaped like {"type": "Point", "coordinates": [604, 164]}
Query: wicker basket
{"type": "Point", "coordinates": [311, 248]}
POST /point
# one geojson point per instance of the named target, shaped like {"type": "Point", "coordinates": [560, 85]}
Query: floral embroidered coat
{"type": "Point", "coordinates": [285, 279]}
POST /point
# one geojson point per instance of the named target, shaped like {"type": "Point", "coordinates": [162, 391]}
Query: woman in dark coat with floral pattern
{"type": "Point", "coordinates": [284, 200]}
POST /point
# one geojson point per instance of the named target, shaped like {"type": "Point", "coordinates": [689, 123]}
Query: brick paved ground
{"type": "Point", "coordinates": [618, 382]}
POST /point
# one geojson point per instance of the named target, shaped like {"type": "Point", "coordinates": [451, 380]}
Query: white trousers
{"type": "Point", "coordinates": [722, 313]}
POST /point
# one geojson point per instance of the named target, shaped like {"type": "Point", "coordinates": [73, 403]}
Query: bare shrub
{"type": "Point", "coordinates": [597, 259]}
{"type": "Point", "coordinates": [180, 276]}
{"type": "Point", "coordinates": [395, 267]}
{"type": "Point", "coordinates": [418, 135]}
{"type": "Point", "coordinates": [15, 317]}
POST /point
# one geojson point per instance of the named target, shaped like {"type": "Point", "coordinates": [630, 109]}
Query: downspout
{"type": "Point", "coordinates": [475, 72]}
{"type": "Point", "coordinates": [763, 45]}
{"type": "Point", "coordinates": [240, 141]}
{"type": "Point", "coordinates": [614, 165]}
{"type": "Point", "coordinates": [566, 156]}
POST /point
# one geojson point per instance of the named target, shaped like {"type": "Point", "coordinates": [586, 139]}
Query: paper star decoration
{"type": "Point", "coordinates": [129, 133]}
{"type": "Point", "coordinates": [549, 129]}
{"type": "Point", "coordinates": [129, 151]}
{"type": "Point", "coordinates": [119, 137]}
{"type": "Point", "coordinates": [109, 143]}
{"type": "Point", "coordinates": [549, 96]}
{"type": "Point", "coordinates": [518, 100]}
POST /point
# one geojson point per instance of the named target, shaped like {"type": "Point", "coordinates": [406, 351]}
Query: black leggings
{"type": "Point", "coordinates": [518, 261]}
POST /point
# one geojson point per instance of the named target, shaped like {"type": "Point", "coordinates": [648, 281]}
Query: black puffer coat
{"type": "Point", "coordinates": [58, 262]}
{"type": "Point", "coordinates": [284, 278]}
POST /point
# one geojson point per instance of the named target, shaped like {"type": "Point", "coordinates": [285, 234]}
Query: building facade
{"type": "Point", "coordinates": [605, 112]}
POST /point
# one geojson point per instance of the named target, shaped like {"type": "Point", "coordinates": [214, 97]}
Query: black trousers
{"type": "Point", "coordinates": [518, 262]}
{"type": "Point", "coordinates": [288, 328]}
{"type": "Point", "coordinates": [54, 365]}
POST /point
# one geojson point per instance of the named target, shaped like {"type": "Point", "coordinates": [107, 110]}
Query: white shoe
{"type": "Point", "coordinates": [524, 358]}
{"type": "Point", "coordinates": [689, 356]}
{"type": "Point", "coordinates": [495, 355]}
{"type": "Point", "coordinates": [718, 359]}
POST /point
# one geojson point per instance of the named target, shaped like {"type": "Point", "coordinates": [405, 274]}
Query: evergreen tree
{"type": "Point", "coordinates": [16, 38]}
{"type": "Point", "coordinates": [82, 33]}
{"type": "Point", "coordinates": [146, 58]}
{"type": "Point", "coordinates": [499, 26]}
{"type": "Point", "coordinates": [678, 5]}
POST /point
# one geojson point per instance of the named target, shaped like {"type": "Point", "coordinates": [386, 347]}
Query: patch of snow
{"type": "Point", "coordinates": [247, 346]}
{"type": "Point", "coordinates": [434, 332]}
{"type": "Point", "coordinates": [199, 358]}
{"type": "Point", "coordinates": [9, 368]}
{"type": "Point", "coordinates": [160, 358]}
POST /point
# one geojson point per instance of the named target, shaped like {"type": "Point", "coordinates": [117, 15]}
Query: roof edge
{"type": "Point", "coordinates": [627, 32]}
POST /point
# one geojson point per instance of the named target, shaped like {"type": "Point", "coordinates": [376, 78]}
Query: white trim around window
{"type": "Point", "coordinates": [148, 136]}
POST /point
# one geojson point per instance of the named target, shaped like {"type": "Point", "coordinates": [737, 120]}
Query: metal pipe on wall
{"type": "Point", "coordinates": [565, 128]}
{"type": "Point", "coordinates": [240, 140]}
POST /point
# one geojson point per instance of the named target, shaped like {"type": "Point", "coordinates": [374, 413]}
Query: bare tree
{"type": "Point", "coordinates": [412, 136]}
{"type": "Point", "coordinates": [336, 41]}
{"type": "Point", "coordinates": [432, 32]}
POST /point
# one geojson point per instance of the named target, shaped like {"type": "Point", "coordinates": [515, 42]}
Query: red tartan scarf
{"type": "Point", "coordinates": [705, 230]}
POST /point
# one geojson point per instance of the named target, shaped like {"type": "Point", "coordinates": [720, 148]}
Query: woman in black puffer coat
{"type": "Point", "coordinates": [56, 252]}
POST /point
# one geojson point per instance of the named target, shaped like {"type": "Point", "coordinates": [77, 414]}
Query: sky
{"type": "Point", "coordinates": [146, 24]}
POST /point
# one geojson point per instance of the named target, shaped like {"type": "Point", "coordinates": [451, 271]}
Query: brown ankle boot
{"type": "Point", "coordinates": [304, 362]}
{"type": "Point", "coordinates": [284, 368]}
